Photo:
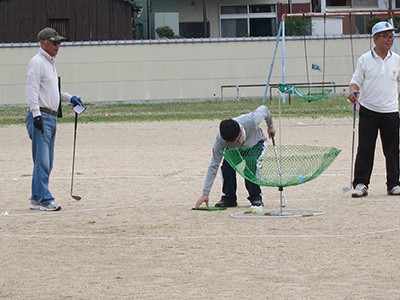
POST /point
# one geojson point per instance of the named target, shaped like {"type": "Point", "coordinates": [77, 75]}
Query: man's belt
{"type": "Point", "coordinates": [49, 111]}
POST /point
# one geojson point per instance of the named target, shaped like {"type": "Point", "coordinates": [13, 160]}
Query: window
{"type": "Point", "coordinates": [256, 9]}
{"type": "Point", "coordinates": [397, 3]}
{"type": "Point", "coordinates": [365, 3]}
{"type": "Point", "coordinates": [338, 3]}
{"type": "Point", "coordinates": [238, 9]}
{"type": "Point", "coordinates": [352, 3]}
{"type": "Point", "coordinates": [192, 30]}
{"type": "Point", "coordinates": [361, 23]}
{"type": "Point", "coordinates": [61, 26]}
{"type": "Point", "coordinates": [248, 20]}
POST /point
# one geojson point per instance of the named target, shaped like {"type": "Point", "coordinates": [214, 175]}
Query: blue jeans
{"type": "Point", "coordinates": [43, 155]}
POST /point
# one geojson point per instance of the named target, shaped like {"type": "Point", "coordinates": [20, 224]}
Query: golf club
{"type": "Point", "coordinates": [346, 189]}
{"type": "Point", "coordinates": [280, 173]}
{"type": "Point", "coordinates": [76, 197]}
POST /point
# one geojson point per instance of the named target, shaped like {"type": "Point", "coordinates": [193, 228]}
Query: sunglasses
{"type": "Point", "coordinates": [55, 43]}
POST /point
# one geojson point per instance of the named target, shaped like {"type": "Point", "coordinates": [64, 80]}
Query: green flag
{"type": "Point", "coordinates": [316, 67]}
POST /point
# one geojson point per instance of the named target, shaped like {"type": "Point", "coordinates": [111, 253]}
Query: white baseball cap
{"type": "Point", "coordinates": [381, 26]}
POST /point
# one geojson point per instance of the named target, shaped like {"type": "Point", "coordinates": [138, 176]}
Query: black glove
{"type": "Point", "coordinates": [38, 123]}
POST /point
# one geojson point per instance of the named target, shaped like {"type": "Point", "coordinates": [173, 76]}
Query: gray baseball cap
{"type": "Point", "coordinates": [50, 34]}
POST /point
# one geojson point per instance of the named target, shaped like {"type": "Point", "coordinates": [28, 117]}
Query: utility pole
{"type": "Point", "coordinates": [148, 20]}
{"type": "Point", "coordinates": [205, 19]}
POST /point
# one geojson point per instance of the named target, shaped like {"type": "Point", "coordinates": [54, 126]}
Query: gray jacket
{"type": "Point", "coordinates": [254, 134]}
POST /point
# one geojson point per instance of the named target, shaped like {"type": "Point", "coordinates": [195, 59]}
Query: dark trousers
{"type": "Point", "coordinates": [369, 124]}
{"type": "Point", "coordinates": [229, 184]}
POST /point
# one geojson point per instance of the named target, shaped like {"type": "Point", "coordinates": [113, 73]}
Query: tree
{"type": "Point", "coordinates": [166, 32]}
{"type": "Point", "coordinates": [298, 26]}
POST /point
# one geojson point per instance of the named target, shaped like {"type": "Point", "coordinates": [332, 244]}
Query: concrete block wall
{"type": "Point", "coordinates": [177, 70]}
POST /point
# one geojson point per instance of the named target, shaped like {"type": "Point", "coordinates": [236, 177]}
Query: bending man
{"type": "Point", "coordinates": [242, 131]}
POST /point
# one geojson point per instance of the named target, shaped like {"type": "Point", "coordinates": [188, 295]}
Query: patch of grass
{"type": "Point", "coordinates": [175, 111]}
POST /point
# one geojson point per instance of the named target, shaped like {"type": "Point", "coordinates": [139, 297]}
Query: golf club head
{"type": "Point", "coordinates": [76, 197]}
{"type": "Point", "coordinates": [346, 189]}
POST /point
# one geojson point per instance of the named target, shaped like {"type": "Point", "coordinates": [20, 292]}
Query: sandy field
{"type": "Point", "coordinates": [134, 236]}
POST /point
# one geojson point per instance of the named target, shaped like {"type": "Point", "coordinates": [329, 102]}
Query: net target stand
{"type": "Point", "coordinates": [281, 36]}
{"type": "Point", "coordinates": [280, 166]}
{"type": "Point", "coordinates": [288, 165]}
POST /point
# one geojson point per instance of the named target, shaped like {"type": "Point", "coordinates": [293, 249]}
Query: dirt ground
{"type": "Point", "coordinates": [134, 236]}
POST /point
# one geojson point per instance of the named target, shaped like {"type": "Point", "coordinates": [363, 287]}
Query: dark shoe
{"type": "Point", "coordinates": [224, 203]}
{"type": "Point", "coordinates": [257, 203]}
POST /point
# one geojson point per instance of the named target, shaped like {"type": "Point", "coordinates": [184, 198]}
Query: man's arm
{"type": "Point", "coordinates": [65, 97]}
{"type": "Point", "coordinates": [263, 113]}
{"type": "Point", "coordinates": [33, 78]}
{"type": "Point", "coordinates": [212, 170]}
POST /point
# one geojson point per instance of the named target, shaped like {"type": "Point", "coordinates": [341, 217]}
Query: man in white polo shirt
{"type": "Point", "coordinates": [376, 77]}
{"type": "Point", "coordinates": [43, 97]}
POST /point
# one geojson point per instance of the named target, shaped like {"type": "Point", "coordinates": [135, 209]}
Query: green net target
{"type": "Point", "coordinates": [307, 93]}
{"type": "Point", "coordinates": [280, 166]}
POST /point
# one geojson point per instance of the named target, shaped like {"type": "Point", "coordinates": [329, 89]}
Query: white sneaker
{"type": "Point", "coordinates": [395, 191]}
{"type": "Point", "coordinates": [360, 190]}
{"type": "Point", "coordinates": [51, 206]}
{"type": "Point", "coordinates": [35, 204]}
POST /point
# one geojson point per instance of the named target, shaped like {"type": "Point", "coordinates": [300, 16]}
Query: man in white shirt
{"type": "Point", "coordinates": [43, 97]}
{"type": "Point", "coordinates": [377, 77]}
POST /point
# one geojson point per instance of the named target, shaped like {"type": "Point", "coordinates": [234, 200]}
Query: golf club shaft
{"type": "Point", "coordinates": [276, 156]}
{"type": "Point", "coordinates": [352, 143]}
{"type": "Point", "coordinates": [73, 153]}
{"type": "Point", "coordinates": [346, 189]}
{"type": "Point", "coordinates": [280, 173]}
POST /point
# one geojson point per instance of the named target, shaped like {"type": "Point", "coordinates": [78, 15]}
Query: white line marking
{"type": "Point", "coordinates": [110, 177]}
{"type": "Point", "coordinates": [150, 177]}
{"type": "Point", "coordinates": [175, 238]}
{"type": "Point", "coordinates": [377, 232]}
{"type": "Point", "coordinates": [197, 237]}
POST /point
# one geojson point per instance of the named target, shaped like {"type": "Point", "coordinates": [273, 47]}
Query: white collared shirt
{"type": "Point", "coordinates": [378, 80]}
{"type": "Point", "coordinates": [42, 84]}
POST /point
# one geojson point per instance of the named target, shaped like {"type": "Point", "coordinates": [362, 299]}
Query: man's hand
{"type": "Point", "coordinates": [271, 132]}
{"type": "Point", "coordinates": [353, 97]}
{"type": "Point", "coordinates": [203, 198]}
{"type": "Point", "coordinates": [38, 123]}
{"type": "Point", "coordinates": [76, 100]}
